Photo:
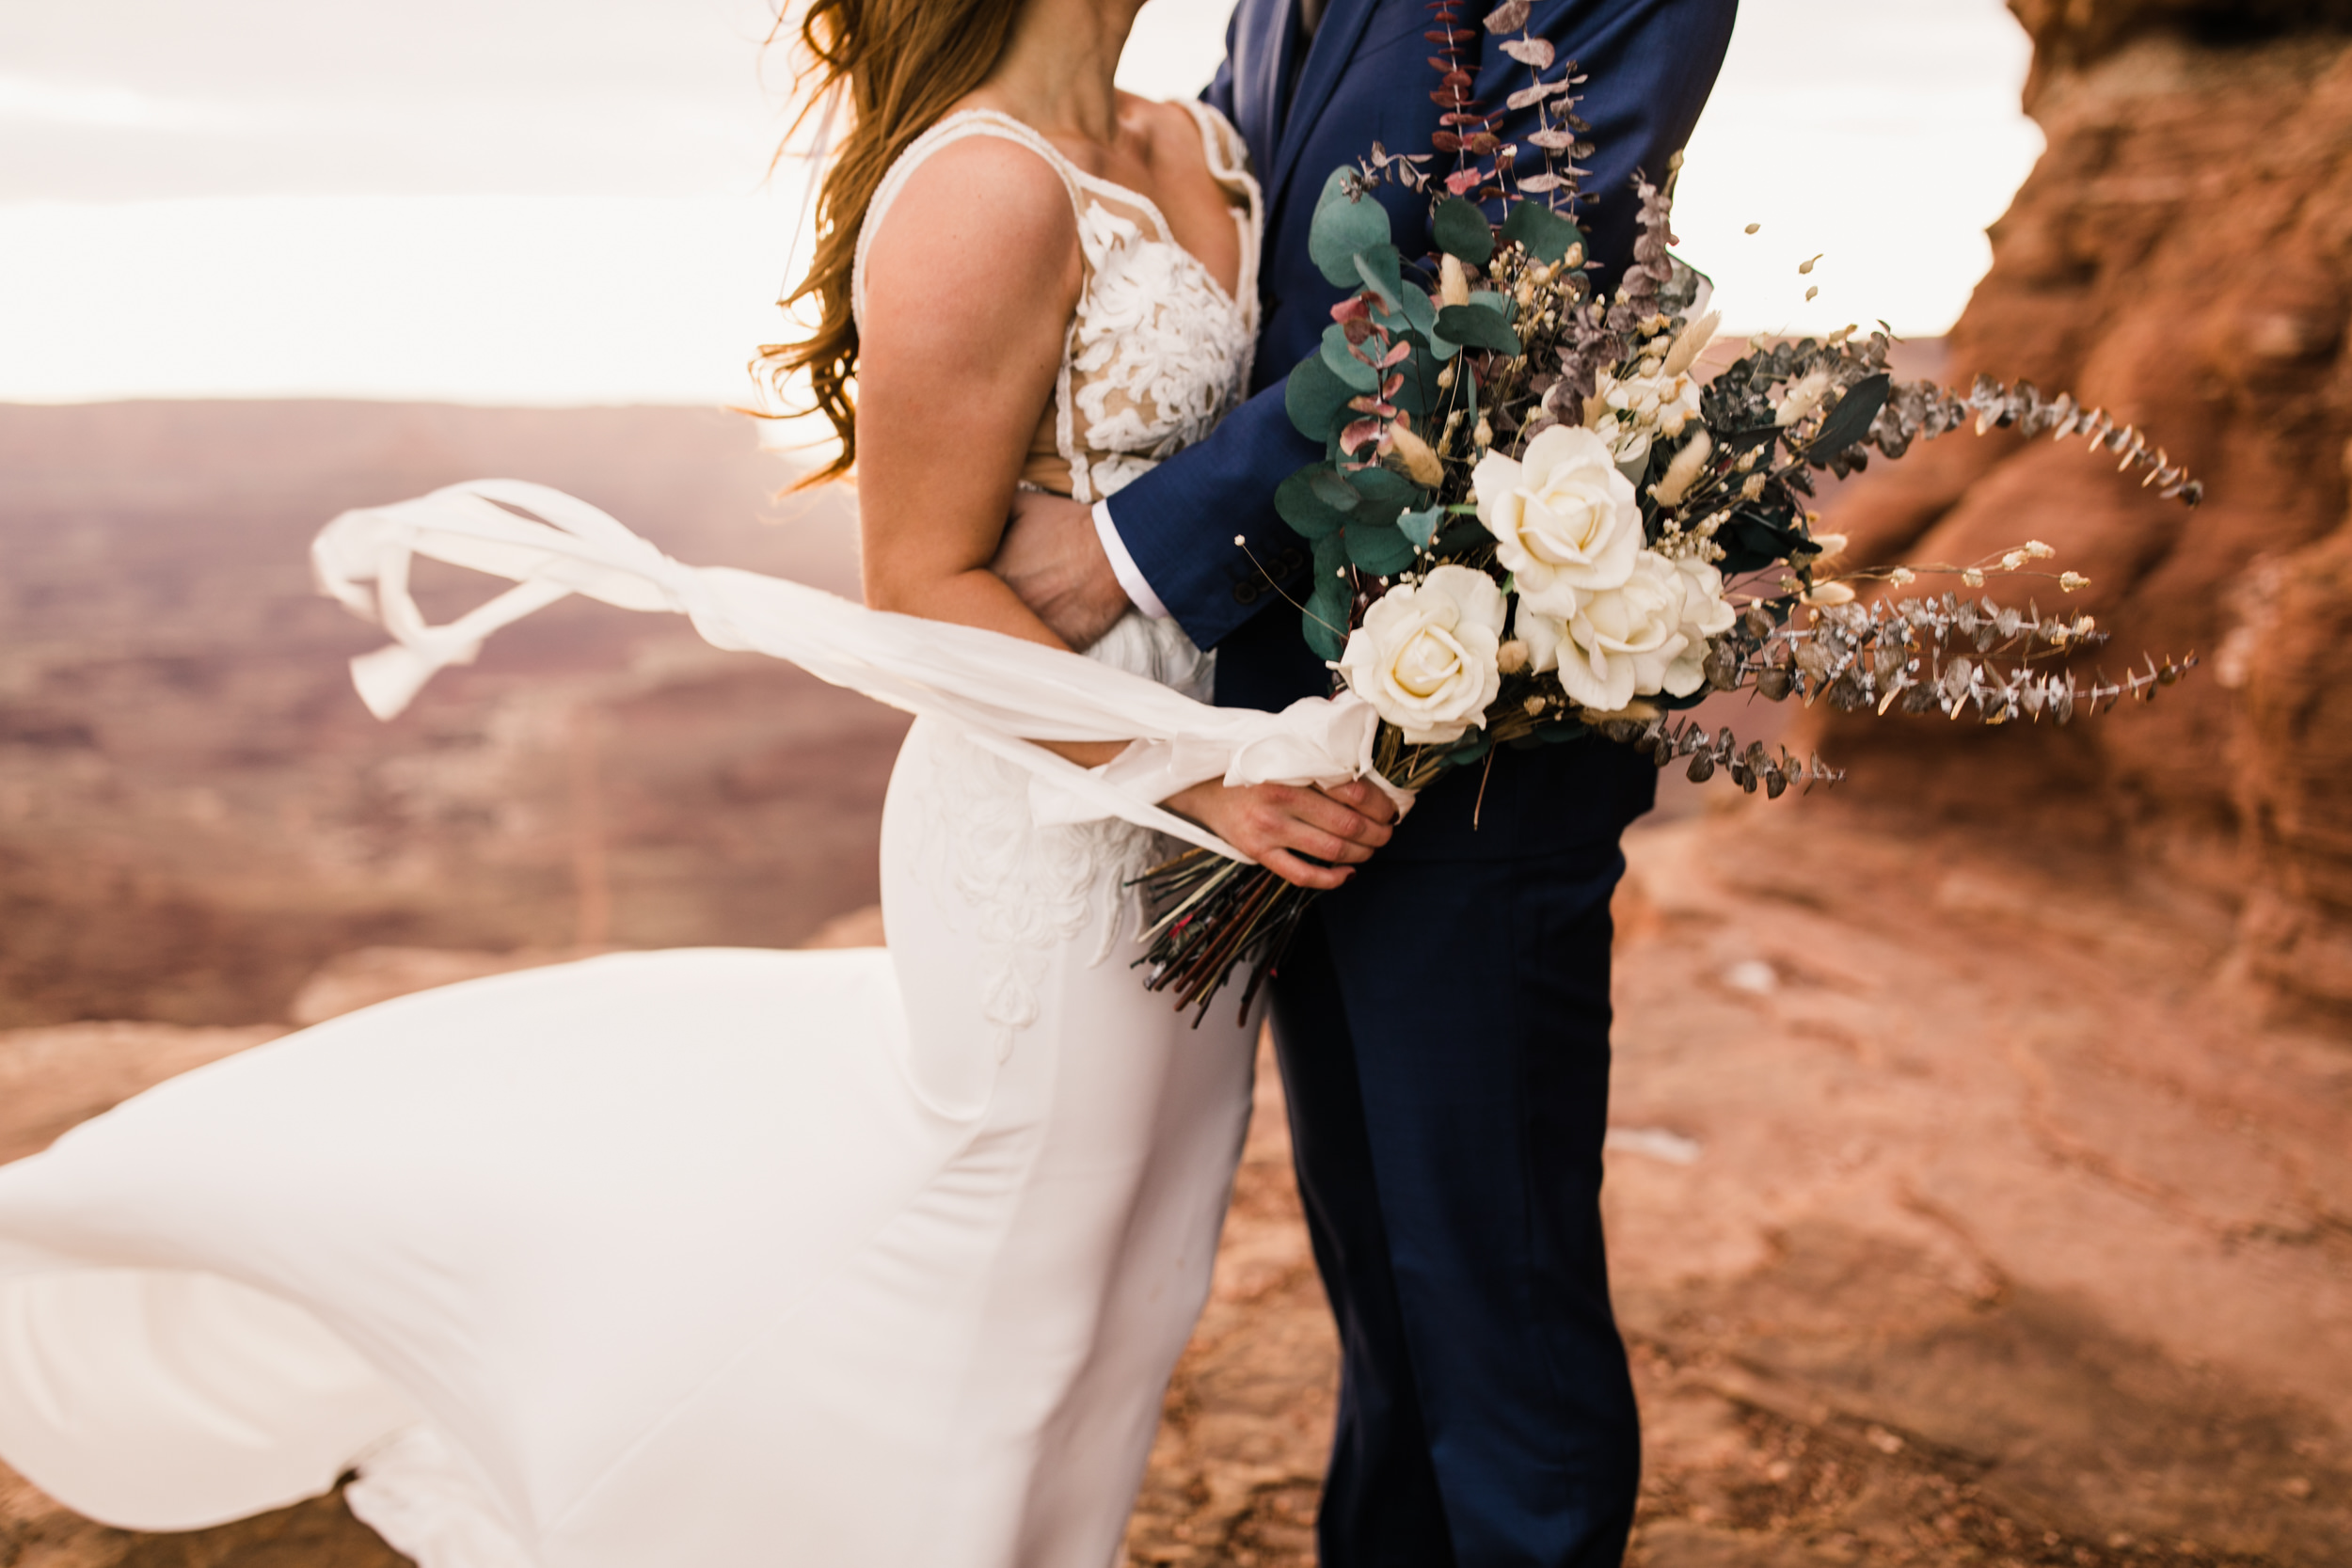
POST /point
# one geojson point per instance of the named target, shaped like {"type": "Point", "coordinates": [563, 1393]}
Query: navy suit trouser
{"type": "Point", "coordinates": [1444, 1032]}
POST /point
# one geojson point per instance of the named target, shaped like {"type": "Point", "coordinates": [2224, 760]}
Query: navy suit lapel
{"type": "Point", "coordinates": [1260, 43]}
{"type": "Point", "coordinates": [1335, 39]}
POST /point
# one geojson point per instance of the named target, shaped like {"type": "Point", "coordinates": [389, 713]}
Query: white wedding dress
{"type": "Point", "coordinates": [715, 1258]}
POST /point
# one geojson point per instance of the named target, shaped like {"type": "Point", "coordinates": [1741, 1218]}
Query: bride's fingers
{"type": "Point", "coordinates": [1359, 795]}
{"type": "Point", "coordinates": [1300, 873]}
{"type": "Point", "coordinates": [1337, 818]}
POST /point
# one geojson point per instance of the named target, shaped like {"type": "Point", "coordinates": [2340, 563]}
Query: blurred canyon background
{"type": "Point", "coordinates": [1980, 1186]}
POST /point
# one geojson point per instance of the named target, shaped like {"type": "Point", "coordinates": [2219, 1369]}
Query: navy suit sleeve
{"type": "Point", "coordinates": [1652, 63]}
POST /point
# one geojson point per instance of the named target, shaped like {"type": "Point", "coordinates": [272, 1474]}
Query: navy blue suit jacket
{"type": "Point", "coordinates": [1366, 77]}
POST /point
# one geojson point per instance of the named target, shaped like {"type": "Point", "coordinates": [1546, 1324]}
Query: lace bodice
{"type": "Point", "coordinates": [1157, 350]}
{"type": "Point", "coordinates": [1156, 353]}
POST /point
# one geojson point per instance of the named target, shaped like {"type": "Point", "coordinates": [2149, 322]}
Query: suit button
{"type": "Point", "coordinates": [1247, 591]}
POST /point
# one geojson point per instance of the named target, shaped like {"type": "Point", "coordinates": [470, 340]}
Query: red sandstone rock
{"type": "Point", "coordinates": [2183, 255]}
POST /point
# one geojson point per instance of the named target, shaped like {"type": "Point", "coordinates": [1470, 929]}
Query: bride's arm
{"type": "Point", "coordinates": [970, 286]}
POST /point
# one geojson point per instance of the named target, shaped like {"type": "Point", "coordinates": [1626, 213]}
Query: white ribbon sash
{"type": "Point", "coordinates": [1004, 692]}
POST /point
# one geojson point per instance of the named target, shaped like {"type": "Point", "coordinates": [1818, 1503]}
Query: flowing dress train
{"type": "Point", "coordinates": [724, 1258]}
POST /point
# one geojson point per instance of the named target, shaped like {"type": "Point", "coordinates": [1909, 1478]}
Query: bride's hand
{"type": "Point", "coordinates": [1276, 824]}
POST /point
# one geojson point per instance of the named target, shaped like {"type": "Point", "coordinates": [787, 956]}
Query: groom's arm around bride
{"type": "Point", "coordinates": [1443, 1021]}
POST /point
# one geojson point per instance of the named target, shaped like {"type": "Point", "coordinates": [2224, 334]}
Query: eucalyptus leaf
{"type": "Point", "coordinates": [1463, 755]}
{"type": "Point", "coordinates": [1420, 526]}
{"type": "Point", "coordinates": [1345, 364]}
{"type": "Point", "coordinates": [1308, 514]}
{"type": "Point", "coordinates": [1478, 327]}
{"type": "Point", "coordinates": [1462, 231]}
{"type": "Point", "coordinates": [1315, 398]}
{"type": "Point", "coordinates": [1386, 492]}
{"type": "Point", "coordinates": [1419, 315]}
{"type": "Point", "coordinates": [1343, 225]}
{"type": "Point", "coordinates": [1546, 234]}
{"type": "Point", "coordinates": [1378, 547]}
{"type": "Point", "coordinates": [1380, 269]}
{"type": "Point", "coordinates": [1333, 490]}
{"type": "Point", "coordinates": [1330, 597]}
{"type": "Point", "coordinates": [1324, 622]}
{"type": "Point", "coordinates": [1418, 393]}
{"type": "Point", "coordinates": [1849, 421]}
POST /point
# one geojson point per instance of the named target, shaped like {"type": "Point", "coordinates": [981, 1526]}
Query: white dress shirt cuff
{"type": "Point", "coordinates": [1137, 588]}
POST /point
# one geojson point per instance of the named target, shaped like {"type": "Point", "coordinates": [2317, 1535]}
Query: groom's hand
{"type": "Point", "coordinates": [1052, 562]}
{"type": "Point", "coordinates": [1278, 824]}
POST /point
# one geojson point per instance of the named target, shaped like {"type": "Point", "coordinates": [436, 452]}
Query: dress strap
{"type": "Point", "coordinates": [1228, 153]}
{"type": "Point", "coordinates": [954, 128]}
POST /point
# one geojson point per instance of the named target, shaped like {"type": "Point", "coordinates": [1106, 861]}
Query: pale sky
{"type": "Point", "coordinates": [534, 201]}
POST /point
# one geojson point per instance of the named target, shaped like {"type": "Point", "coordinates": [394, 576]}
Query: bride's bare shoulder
{"type": "Point", "coordinates": [982, 205]}
{"type": "Point", "coordinates": [978, 252]}
{"type": "Point", "coordinates": [1174, 132]}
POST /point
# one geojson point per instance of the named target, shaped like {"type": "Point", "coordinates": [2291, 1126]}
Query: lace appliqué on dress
{"type": "Point", "coordinates": [1155, 358]}
{"type": "Point", "coordinates": [1030, 889]}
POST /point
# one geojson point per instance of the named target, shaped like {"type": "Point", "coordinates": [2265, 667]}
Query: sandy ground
{"type": "Point", "coordinates": [1965, 1209]}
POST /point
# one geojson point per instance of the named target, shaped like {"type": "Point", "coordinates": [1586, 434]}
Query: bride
{"type": "Point", "coordinates": [730, 1257]}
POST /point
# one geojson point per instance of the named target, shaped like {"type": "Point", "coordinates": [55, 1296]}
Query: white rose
{"type": "Point", "coordinates": [1425, 655]}
{"type": "Point", "coordinates": [1565, 521]}
{"type": "Point", "coordinates": [1620, 643]}
{"type": "Point", "coordinates": [1705, 614]}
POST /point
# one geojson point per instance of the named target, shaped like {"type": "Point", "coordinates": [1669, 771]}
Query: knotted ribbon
{"type": "Point", "coordinates": [1004, 693]}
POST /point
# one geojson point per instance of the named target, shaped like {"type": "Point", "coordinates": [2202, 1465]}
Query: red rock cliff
{"type": "Point", "coordinates": [2182, 255]}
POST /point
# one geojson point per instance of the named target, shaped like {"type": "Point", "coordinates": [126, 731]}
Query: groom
{"type": "Point", "coordinates": [1443, 1020]}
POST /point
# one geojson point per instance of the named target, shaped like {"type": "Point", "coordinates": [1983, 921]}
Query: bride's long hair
{"type": "Point", "coordinates": [899, 65]}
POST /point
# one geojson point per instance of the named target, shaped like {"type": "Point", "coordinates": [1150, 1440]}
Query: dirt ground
{"type": "Point", "coordinates": [1965, 1209]}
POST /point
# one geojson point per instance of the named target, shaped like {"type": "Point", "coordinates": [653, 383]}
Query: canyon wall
{"type": "Point", "coordinates": [2183, 255]}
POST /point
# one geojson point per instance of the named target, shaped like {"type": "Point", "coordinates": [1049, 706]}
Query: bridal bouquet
{"type": "Point", "coordinates": [1534, 522]}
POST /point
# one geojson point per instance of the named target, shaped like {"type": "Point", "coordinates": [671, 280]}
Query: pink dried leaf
{"type": "Point", "coordinates": [1463, 179]}
{"type": "Point", "coordinates": [1509, 17]}
{"type": "Point", "coordinates": [1530, 52]}
{"type": "Point", "coordinates": [1359, 432]}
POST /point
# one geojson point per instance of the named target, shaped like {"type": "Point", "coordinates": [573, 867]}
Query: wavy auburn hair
{"type": "Point", "coordinates": [902, 65]}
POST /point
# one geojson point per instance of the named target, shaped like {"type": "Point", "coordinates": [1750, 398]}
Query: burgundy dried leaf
{"type": "Point", "coordinates": [1358, 433]}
